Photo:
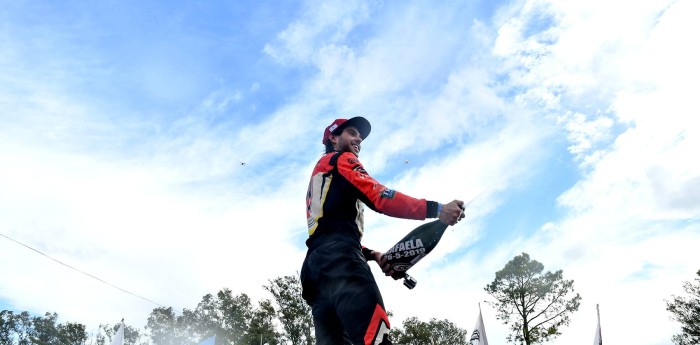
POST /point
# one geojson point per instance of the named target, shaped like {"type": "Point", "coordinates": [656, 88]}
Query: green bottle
{"type": "Point", "coordinates": [412, 248]}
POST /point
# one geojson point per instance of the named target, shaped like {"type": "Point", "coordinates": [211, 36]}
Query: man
{"type": "Point", "coordinates": [337, 281]}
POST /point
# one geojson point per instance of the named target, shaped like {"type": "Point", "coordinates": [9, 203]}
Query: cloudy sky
{"type": "Point", "coordinates": [165, 148]}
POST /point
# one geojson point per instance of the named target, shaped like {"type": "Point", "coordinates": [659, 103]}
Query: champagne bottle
{"type": "Point", "coordinates": [412, 248]}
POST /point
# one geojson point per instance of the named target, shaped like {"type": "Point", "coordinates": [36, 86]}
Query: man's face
{"type": "Point", "coordinates": [349, 140]}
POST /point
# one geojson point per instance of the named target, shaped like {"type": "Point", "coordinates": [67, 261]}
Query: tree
{"type": "Point", "coordinates": [72, 333]}
{"type": "Point", "coordinates": [236, 314]}
{"type": "Point", "coordinates": [538, 304]}
{"type": "Point", "coordinates": [7, 326]}
{"type": "Point", "coordinates": [43, 329]}
{"type": "Point", "coordinates": [262, 325]}
{"type": "Point", "coordinates": [226, 316]}
{"type": "Point", "coordinates": [15, 328]}
{"type": "Point", "coordinates": [687, 312]}
{"type": "Point", "coordinates": [24, 329]}
{"type": "Point", "coordinates": [166, 328]}
{"type": "Point", "coordinates": [106, 333]}
{"type": "Point", "coordinates": [292, 310]}
{"type": "Point", "coordinates": [230, 318]}
{"type": "Point", "coordinates": [434, 332]}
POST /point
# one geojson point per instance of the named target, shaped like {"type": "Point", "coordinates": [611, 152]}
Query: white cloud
{"type": "Point", "coordinates": [585, 134]}
{"type": "Point", "coordinates": [321, 25]}
{"type": "Point", "coordinates": [620, 237]}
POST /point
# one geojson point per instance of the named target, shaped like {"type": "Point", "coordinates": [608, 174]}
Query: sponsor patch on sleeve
{"type": "Point", "coordinates": [360, 169]}
{"type": "Point", "coordinates": [388, 193]}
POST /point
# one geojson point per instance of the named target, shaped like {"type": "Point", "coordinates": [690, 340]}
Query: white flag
{"type": "Point", "coordinates": [119, 337]}
{"type": "Point", "coordinates": [598, 340]}
{"type": "Point", "coordinates": [208, 341]}
{"type": "Point", "coordinates": [479, 334]}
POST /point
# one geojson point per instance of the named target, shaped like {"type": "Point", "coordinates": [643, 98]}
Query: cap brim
{"type": "Point", "coordinates": [358, 122]}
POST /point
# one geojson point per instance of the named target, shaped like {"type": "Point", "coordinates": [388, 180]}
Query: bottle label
{"type": "Point", "coordinates": [405, 254]}
{"type": "Point", "coordinates": [415, 243]}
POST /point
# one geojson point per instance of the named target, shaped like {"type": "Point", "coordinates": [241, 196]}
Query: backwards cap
{"type": "Point", "coordinates": [337, 126]}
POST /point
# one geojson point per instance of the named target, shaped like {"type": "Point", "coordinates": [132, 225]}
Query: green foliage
{"type": "Point", "coordinates": [232, 318]}
{"type": "Point", "coordinates": [24, 329]}
{"type": "Point", "coordinates": [434, 332]}
{"type": "Point", "coordinates": [131, 335]}
{"type": "Point", "coordinates": [535, 304]}
{"type": "Point", "coordinates": [262, 325]}
{"type": "Point", "coordinates": [71, 333]}
{"type": "Point", "coordinates": [687, 312]}
{"type": "Point", "coordinates": [225, 316]}
{"type": "Point", "coordinates": [7, 326]}
{"type": "Point", "coordinates": [167, 328]}
{"type": "Point", "coordinates": [292, 310]}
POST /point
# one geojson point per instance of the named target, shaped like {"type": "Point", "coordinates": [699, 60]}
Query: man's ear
{"type": "Point", "coordinates": [333, 139]}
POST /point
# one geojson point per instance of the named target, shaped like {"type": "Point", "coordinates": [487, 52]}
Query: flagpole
{"type": "Point", "coordinates": [598, 340]}
{"type": "Point", "coordinates": [597, 309]}
{"type": "Point", "coordinates": [118, 338]}
{"type": "Point", "coordinates": [479, 334]}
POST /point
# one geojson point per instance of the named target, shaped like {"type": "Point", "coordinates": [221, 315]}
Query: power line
{"type": "Point", "coordinates": [85, 273]}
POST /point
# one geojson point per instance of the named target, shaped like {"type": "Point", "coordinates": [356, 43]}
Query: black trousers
{"type": "Point", "coordinates": [345, 301]}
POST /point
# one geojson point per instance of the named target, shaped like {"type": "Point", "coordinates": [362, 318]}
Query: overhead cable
{"type": "Point", "coordinates": [85, 273]}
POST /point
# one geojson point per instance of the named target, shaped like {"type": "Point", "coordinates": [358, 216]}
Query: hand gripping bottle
{"type": "Point", "coordinates": [412, 248]}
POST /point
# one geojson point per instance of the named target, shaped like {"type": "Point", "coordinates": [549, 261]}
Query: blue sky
{"type": "Point", "coordinates": [124, 126]}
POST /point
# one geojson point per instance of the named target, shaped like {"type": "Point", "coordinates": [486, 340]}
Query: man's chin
{"type": "Point", "coordinates": [352, 150]}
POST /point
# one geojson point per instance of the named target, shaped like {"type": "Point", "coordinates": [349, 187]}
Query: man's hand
{"type": "Point", "coordinates": [452, 212]}
{"type": "Point", "coordinates": [383, 264]}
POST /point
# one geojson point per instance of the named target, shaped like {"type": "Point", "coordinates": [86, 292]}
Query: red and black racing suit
{"type": "Point", "coordinates": [337, 281]}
